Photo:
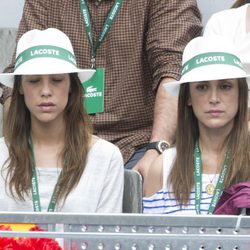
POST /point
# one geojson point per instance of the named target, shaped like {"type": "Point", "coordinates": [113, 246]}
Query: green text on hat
{"type": "Point", "coordinates": [209, 59]}
{"type": "Point", "coordinates": [45, 51]}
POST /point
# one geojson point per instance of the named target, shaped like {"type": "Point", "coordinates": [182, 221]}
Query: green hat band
{"type": "Point", "coordinates": [209, 59]}
{"type": "Point", "coordinates": [45, 51]}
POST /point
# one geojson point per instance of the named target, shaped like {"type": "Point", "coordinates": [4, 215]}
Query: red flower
{"type": "Point", "coordinates": [8, 243]}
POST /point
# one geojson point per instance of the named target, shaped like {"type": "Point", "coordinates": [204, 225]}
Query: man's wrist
{"type": "Point", "coordinates": [159, 146]}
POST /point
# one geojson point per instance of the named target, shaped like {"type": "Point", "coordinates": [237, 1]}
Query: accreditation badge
{"type": "Point", "coordinates": [94, 92]}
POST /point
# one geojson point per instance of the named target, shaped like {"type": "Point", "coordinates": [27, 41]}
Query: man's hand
{"type": "Point", "coordinates": [143, 165]}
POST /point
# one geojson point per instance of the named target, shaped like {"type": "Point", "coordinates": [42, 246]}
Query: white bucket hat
{"type": "Point", "coordinates": [207, 59]}
{"type": "Point", "coordinates": [45, 52]}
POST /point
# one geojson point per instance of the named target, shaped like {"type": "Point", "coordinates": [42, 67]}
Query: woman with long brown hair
{"type": "Point", "coordinates": [212, 150]}
{"type": "Point", "coordinates": [49, 159]}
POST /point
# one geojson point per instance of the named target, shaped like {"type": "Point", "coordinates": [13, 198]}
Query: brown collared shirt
{"type": "Point", "coordinates": [144, 45]}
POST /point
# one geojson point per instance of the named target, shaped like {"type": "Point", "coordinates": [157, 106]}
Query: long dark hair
{"type": "Point", "coordinates": [77, 135]}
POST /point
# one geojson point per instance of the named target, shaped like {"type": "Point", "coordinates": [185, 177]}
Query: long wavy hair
{"type": "Point", "coordinates": [74, 154]}
{"type": "Point", "coordinates": [239, 3]}
{"type": "Point", "coordinates": [181, 178]}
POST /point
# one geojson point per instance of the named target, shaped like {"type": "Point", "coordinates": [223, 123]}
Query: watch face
{"type": "Point", "coordinates": [163, 146]}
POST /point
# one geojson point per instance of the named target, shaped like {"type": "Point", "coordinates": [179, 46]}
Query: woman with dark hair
{"type": "Point", "coordinates": [212, 150]}
{"type": "Point", "coordinates": [49, 159]}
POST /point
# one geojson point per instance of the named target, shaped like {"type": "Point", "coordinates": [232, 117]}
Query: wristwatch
{"type": "Point", "coordinates": [160, 146]}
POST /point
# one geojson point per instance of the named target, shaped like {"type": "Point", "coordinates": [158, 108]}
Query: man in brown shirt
{"type": "Point", "coordinates": [142, 49]}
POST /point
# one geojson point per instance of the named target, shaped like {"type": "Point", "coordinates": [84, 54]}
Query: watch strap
{"type": "Point", "coordinates": [158, 146]}
{"type": "Point", "coordinates": [152, 145]}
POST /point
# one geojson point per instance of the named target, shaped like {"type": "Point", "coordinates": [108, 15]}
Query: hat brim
{"type": "Point", "coordinates": [205, 74]}
{"type": "Point", "coordinates": [84, 75]}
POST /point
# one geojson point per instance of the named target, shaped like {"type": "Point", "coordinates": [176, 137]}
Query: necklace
{"type": "Point", "coordinates": [210, 186]}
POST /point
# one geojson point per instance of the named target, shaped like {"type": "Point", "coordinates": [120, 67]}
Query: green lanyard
{"type": "Point", "coordinates": [198, 181]}
{"type": "Point", "coordinates": [34, 186]}
{"type": "Point", "coordinates": [107, 24]}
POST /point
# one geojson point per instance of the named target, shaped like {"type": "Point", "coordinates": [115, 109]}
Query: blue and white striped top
{"type": "Point", "coordinates": [163, 202]}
